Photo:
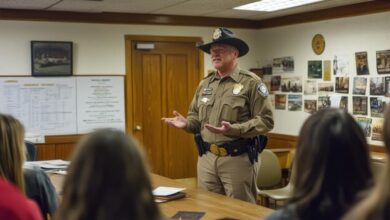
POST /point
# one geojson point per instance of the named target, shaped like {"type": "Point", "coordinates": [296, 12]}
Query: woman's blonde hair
{"type": "Point", "coordinates": [108, 179]}
{"type": "Point", "coordinates": [12, 150]}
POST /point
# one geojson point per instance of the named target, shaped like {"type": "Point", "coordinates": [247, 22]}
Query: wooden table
{"type": "Point", "coordinates": [378, 157]}
{"type": "Point", "coordinates": [215, 206]}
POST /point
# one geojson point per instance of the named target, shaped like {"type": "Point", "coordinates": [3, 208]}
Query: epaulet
{"type": "Point", "coordinates": [250, 74]}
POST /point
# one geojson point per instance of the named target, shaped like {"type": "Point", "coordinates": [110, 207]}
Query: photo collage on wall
{"type": "Point", "coordinates": [341, 82]}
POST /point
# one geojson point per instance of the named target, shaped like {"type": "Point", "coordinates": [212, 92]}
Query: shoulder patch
{"type": "Point", "coordinates": [262, 89]}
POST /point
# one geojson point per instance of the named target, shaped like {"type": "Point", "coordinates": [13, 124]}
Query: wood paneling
{"type": "Point", "coordinates": [64, 151]}
{"type": "Point", "coordinates": [57, 147]}
{"type": "Point", "coordinates": [62, 147]}
{"type": "Point", "coordinates": [290, 141]}
{"type": "Point", "coordinates": [46, 152]}
{"type": "Point", "coordinates": [281, 141]}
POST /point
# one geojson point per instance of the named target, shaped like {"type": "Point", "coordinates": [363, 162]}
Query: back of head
{"type": "Point", "coordinates": [107, 179]}
{"type": "Point", "coordinates": [377, 204]}
{"type": "Point", "coordinates": [332, 165]}
{"type": "Point", "coordinates": [12, 150]}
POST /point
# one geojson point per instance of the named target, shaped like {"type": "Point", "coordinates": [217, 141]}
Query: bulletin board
{"type": "Point", "coordinates": [64, 105]}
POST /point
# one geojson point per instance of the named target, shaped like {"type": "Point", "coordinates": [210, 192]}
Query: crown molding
{"type": "Point", "coordinates": [326, 14]}
{"type": "Point", "coordinates": [364, 8]}
{"type": "Point", "coordinates": [124, 18]}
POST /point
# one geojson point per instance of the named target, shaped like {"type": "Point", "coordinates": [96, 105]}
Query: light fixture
{"type": "Point", "coordinates": [274, 5]}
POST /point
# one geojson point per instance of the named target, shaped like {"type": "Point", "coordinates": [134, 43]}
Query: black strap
{"type": "Point", "coordinates": [233, 148]}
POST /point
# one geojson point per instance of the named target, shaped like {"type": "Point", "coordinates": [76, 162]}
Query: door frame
{"type": "Point", "coordinates": [129, 39]}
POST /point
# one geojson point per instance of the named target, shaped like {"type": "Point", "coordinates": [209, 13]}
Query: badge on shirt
{"type": "Point", "coordinates": [204, 100]}
{"type": "Point", "coordinates": [262, 89]}
{"type": "Point", "coordinates": [207, 91]}
{"type": "Point", "coordinates": [237, 88]}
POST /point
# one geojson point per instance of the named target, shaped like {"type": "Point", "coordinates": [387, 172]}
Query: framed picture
{"type": "Point", "coordinates": [51, 58]}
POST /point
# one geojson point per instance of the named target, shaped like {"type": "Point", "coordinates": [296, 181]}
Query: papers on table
{"type": "Point", "coordinates": [166, 191]}
{"type": "Point", "coordinates": [35, 138]}
{"type": "Point", "coordinates": [165, 194]}
{"type": "Point", "coordinates": [49, 164]}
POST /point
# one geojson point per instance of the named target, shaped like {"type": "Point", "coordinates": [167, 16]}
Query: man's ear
{"type": "Point", "coordinates": [236, 52]}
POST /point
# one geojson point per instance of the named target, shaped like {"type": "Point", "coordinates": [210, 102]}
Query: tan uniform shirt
{"type": "Point", "coordinates": [236, 98]}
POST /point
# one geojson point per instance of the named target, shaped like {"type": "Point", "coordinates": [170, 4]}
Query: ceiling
{"type": "Point", "coordinates": [206, 8]}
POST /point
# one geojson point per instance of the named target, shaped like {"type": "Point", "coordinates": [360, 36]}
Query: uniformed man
{"type": "Point", "coordinates": [230, 107]}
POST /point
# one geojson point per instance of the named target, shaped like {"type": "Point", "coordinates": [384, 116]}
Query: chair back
{"type": "Point", "coordinates": [31, 151]}
{"type": "Point", "coordinates": [270, 171]}
{"type": "Point", "coordinates": [377, 168]}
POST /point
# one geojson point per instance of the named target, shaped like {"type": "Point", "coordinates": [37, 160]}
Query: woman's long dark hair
{"type": "Point", "coordinates": [332, 165]}
{"type": "Point", "coordinates": [107, 179]}
{"type": "Point", "coordinates": [377, 204]}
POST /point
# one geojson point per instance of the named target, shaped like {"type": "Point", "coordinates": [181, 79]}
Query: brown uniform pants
{"type": "Point", "coordinates": [231, 176]}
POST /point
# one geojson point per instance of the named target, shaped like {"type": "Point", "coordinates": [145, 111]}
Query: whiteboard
{"type": "Point", "coordinates": [44, 105]}
{"type": "Point", "coordinates": [64, 105]}
{"type": "Point", "coordinates": [100, 103]}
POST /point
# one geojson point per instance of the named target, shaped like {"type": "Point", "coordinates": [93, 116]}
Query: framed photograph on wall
{"type": "Point", "coordinates": [51, 58]}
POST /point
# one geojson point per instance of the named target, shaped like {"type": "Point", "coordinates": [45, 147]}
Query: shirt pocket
{"type": "Point", "coordinates": [232, 108]}
{"type": "Point", "coordinates": [205, 108]}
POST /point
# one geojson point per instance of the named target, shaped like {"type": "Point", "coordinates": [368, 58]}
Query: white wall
{"type": "Point", "coordinates": [98, 48]}
{"type": "Point", "coordinates": [343, 36]}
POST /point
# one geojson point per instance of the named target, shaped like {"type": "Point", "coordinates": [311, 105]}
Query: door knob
{"type": "Point", "coordinates": [138, 128]}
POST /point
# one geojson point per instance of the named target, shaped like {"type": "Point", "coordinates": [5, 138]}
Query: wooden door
{"type": "Point", "coordinates": [159, 81]}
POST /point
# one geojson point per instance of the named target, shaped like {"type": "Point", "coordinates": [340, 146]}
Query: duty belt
{"type": "Point", "coordinates": [233, 148]}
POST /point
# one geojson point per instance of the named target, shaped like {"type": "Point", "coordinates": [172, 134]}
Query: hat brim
{"type": "Point", "coordinates": [241, 46]}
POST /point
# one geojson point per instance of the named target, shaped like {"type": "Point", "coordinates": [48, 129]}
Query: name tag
{"type": "Point", "coordinates": [207, 91]}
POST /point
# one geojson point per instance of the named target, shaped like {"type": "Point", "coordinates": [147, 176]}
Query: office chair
{"type": "Point", "coordinates": [31, 151]}
{"type": "Point", "coordinates": [270, 171]}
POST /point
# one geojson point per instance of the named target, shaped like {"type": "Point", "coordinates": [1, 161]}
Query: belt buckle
{"type": "Point", "coordinates": [219, 151]}
{"type": "Point", "coordinates": [222, 152]}
{"type": "Point", "coordinates": [214, 149]}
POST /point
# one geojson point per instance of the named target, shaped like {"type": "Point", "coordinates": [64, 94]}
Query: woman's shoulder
{"type": "Point", "coordinates": [15, 206]}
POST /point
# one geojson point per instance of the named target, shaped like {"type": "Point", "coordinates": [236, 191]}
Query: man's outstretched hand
{"type": "Point", "coordinates": [177, 122]}
{"type": "Point", "coordinates": [225, 126]}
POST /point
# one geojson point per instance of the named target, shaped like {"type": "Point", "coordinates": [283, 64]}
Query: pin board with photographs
{"type": "Point", "coordinates": [341, 82]}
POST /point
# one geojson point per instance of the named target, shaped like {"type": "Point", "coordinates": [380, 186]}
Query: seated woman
{"type": "Point", "coordinates": [34, 182]}
{"type": "Point", "coordinates": [377, 204]}
{"type": "Point", "coordinates": [332, 168]}
{"type": "Point", "coordinates": [107, 179]}
{"type": "Point", "coordinates": [39, 188]}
